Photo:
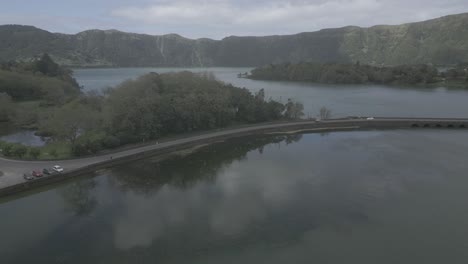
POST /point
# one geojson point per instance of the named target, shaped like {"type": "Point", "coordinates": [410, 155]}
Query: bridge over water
{"type": "Point", "coordinates": [13, 182]}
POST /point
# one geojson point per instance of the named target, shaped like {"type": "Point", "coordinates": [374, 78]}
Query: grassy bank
{"type": "Point", "coordinates": [53, 151]}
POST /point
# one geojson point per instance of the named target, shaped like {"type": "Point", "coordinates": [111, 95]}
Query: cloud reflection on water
{"type": "Point", "coordinates": [335, 182]}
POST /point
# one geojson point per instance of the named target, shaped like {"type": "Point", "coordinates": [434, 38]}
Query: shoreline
{"type": "Point", "coordinates": [14, 169]}
{"type": "Point", "coordinates": [434, 85]}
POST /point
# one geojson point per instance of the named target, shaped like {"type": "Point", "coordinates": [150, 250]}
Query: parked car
{"type": "Point", "coordinates": [37, 173]}
{"type": "Point", "coordinates": [47, 171]}
{"type": "Point", "coordinates": [370, 118]}
{"type": "Point", "coordinates": [28, 177]}
{"type": "Point", "coordinates": [57, 168]}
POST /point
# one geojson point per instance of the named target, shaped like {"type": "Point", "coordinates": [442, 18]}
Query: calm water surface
{"type": "Point", "coordinates": [25, 137]}
{"type": "Point", "coordinates": [343, 100]}
{"type": "Point", "coordinates": [10, 133]}
{"type": "Point", "coordinates": [396, 196]}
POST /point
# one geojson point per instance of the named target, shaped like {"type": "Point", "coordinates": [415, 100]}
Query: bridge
{"type": "Point", "coordinates": [12, 180]}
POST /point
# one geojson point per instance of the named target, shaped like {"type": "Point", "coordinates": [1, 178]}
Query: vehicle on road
{"type": "Point", "coordinates": [28, 177]}
{"type": "Point", "coordinates": [47, 171]}
{"type": "Point", "coordinates": [37, 174]}
{"type": "Point", "coordinates": [57, 168]}
{"type": "Point", "coordinates": [370, 118]}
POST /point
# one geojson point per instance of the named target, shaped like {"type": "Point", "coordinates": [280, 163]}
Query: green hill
{"type": "Point", "coordinates": [438, 41]}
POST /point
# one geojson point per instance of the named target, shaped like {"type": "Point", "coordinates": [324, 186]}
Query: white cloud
{"type": "Point", "coordinates": [219, 18]}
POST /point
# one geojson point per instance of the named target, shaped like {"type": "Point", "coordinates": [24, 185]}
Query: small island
{"type": "Point", "coordinates": [334, 73]}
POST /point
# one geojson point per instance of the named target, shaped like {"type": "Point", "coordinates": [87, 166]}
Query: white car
{"type": "Point", "coordinates": [370, 118]}
{"type": "Point", "coordinates": [57, 168]}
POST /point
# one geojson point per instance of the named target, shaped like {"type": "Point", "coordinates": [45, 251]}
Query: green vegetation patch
{"type": "Point", "coordinates": [54, 150]}
{"type": "Point", "coordinates": [360, 74]}
{"type": "Point", "coordinates": [147, 108]}
{"type": "Point", "coordinates": [28, 86]}
{"type": "Point", "coordinates": [40, 80]}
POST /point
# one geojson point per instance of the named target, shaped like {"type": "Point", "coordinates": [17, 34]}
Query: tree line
{"type": "Point", "coordinates": [40, 79]}
{"type": "Point", "coordinates": [157, 105]}
{"type": "Point", "coordinates": [334, 73]}
{"type": "Point", "coordinates": [150, 107]}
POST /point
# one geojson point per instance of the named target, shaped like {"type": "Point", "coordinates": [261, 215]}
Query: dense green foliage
{"type": "Point", "coordinates": [204, 164]}
{"type": "Point", "coordinates": [138, 110]}
{"type": "Point", "coordinates": [40, 79]}
{"type": "Point", "coordinates": [6, 107]}
{"type": "Point", "coordinates": [15, 149]}
{"type": "Point", "coordinates": [457, 75]}
{"type": "Point", "coordinates": [358, 74]}
{"type": "Point", "coordinates": [437, 41]}
{"type": "Point", "coordinates": [156, 105]}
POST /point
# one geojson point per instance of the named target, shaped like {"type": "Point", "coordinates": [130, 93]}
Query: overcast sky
{"type": "Point", "coordinates": [220, 18]}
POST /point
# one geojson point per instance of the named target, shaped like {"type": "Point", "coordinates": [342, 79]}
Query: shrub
{"type": "Point", "coordinates": [7, 149]}
{"type": "Point", "coordinates": [34, 152]}
{"type": "Point", "coordinates": [89, 143]}
{"type": "Point", "coordinates": [111, 142]}
{"type": "Point", "coordinates": [19, 150]}
{"type": "Point", "coordinates": [53, 153]}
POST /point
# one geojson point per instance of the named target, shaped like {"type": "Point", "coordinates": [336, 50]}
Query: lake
{"type": "Point", "coordinates": [343, 100]}
{"type": "Point", "coordinates": [394, 196]}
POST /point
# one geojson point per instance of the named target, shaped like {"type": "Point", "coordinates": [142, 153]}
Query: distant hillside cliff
{"type": "Point", "coordinates": [439, 41]}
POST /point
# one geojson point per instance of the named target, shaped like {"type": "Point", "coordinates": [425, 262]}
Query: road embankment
{"type": "Point", "coordinates": [89, 165]}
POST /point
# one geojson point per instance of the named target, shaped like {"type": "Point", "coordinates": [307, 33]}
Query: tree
{"type": "Point", "coordinates": [155, 105]}
{"type": "Point", "coordinates": [260, 95]}
{"type": "Point", "coordinates": [53, 94]}
{"type": "Point", "coordinates": [294, 110]}
{"type": "Point", "coordinates": [79, 197]}
{"type": "Point", "coordinates": [53, 153]}
{"type": "Point", "coordinates": [19, 150]}
{"type": "Point", "coordinates": [35, 152]}
{"type": "Point", "coordinates": [69, 121]}
{"type": "Point", "coordinates": [6, 107]}
{"type": "Point", "coordinates": [47, 66]}
{"type": "Point", "coordinates": [133, 108]}
{"type": "Point", "coordinates": [89, 143]}
{"type": "Point", "coordinates": [6, 148]}
{"type": "Point", "coordinates": [298, 110]}
{"type": "Point", "coordinates": [325, 113]}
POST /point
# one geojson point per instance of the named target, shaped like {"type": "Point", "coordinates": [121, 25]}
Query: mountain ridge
{"type": "Point", "coordinates": [438, 41]}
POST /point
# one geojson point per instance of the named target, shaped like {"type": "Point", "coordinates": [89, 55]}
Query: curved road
{"type": "Point", "coordinates": [14, 169]}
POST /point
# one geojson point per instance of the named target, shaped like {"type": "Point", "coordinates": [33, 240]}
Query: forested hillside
{"type": "Point", "coordinates": [437, 41]}
{"type": "Point", "coordinates": [419, 74]}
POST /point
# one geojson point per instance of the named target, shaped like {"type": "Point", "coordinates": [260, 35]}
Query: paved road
{"type": "Point", "coordinates": [14, 169]}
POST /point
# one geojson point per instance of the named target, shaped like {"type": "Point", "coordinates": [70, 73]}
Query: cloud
{"type": "Point", "coordinates": [221, 18]}
{"type": "Point", "coordinates": [59, 23]}
{"type": "Point", "coordinates": [218, 18]}
{"type": "Point", "coordinates": [242, 198]}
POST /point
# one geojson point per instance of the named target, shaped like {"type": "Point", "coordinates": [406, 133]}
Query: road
{"type": "Point", "coordinates": [14, 169]}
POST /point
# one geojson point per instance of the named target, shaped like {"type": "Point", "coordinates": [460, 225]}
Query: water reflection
{"type": "Point", "coordinates": [335, 187]}
{"type": "Point", "coordinates": [176, 188]}
{"type": "Point", "coordinates": [350, 197]}
{"type": "Point", "coordinates": [79, 197]}
{"type": "Point", "coordinates": [232, 195]}
{"type": "Point", "coordinates": [150, 175]}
